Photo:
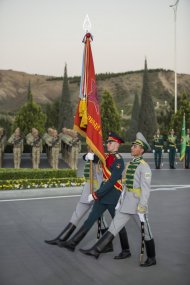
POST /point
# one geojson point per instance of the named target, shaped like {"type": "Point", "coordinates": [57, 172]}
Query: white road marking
{"type": "Point", "coordinates": [39, 198]}
{"type": "Point", "coordinates": [164, 187]}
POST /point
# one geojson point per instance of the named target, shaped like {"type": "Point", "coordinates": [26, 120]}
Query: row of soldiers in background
{"type": "Point", "coordinates": [171, 144]}
{"type": "Point", "coordinates": [67, 142]}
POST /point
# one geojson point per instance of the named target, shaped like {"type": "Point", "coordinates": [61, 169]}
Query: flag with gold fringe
{"type": "Point", "coordinates": [183, 140]}
{"type": "Point", "coordinates": [87, 120]}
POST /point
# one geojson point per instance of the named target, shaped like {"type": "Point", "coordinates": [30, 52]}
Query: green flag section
{"type": "Point", "coordinates": [183, 140]}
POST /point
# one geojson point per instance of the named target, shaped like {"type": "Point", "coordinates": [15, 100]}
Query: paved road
{"type": "Point", "coordinates": [30, 216]}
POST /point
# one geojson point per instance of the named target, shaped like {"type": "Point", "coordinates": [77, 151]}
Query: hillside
{"type": "Point", "coordinates": [14, 86]}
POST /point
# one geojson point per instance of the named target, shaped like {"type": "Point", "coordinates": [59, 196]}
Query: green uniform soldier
{"type": "Point", "coordinates": [35, 141]}
{"type": "Point", "coordinates": [172, 148]}
{"type": "Point", "coordinates": [106, 197]}
{"type": "Point", "coordinates": [187, 152]}
{"type": "Point", "coordinates": [132, 204]}
{"type": "Point", "coordinates": [55, 144]}
{"type": "Point", "coordinates": [18, 146]}
{"type": "Point", "coordinates": [2, 145]}
{"type": "Point", "coordinates": [158, 148]}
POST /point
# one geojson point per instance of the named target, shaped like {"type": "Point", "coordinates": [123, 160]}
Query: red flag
{"type": "Point", "coordinates": [87, 120]}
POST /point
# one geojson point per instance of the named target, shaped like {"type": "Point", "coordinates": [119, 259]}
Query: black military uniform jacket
{"type": "Point", "coordinates": [108, 192]}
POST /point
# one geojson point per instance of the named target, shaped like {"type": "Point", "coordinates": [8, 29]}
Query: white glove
{"type": "Point", "coordinates": [176, 150]}
{"type": "Point", "coordinates": [162, 150]}
{"type": "Point", "coordinates": [153, 151]}
{"type": "Point", "coordinates": [141, 217]}
{"type": "Point", "coordinates": [89, 156]}
{"type": "Point", "coordinates": [90, 198]}
{"type": "Point", "coordinates": [168, 150]}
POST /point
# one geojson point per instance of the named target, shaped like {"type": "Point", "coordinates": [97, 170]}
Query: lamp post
{"type": "Point", "coordinates": [175, 87]}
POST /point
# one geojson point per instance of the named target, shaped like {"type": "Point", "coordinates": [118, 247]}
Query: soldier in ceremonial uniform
{"type": "Point", "coordinates": [187, 152]}
{"type": "Point", "coordinates": [134, 202]}
{"type": "Point", "coordinates": [18, 146]}
{"type": "Point", "coordinates": [158, 148]}
{"type": "Point", "coordinates": [172, 148]}
{"type": "Point", "coordinates": [83, 206]}
{"type": "Point", "coordinates": [47, 137]}
{"type": "Point", "coordinates": [55, 144]}
{"type": "Point", "coordinates": [2, 145]}
{"type": "Point", "coordinates": [35, 141]}
{"type": "Point", "coordinates": [106, 197]}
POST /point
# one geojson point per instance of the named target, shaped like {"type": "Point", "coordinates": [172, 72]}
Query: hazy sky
{"type": "Point", "coordinates": [39, 36]}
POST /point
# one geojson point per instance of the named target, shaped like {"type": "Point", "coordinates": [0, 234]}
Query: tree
{"type": "Point", "coordinates": [30, 116]}
{"type": "Point", "coordinates": [109, 115]}
{"type": "Point", "coordinates": [29, 95]}
{"type": "Point", "coordinates": [65, 108]}
{"type": "Point", "coordinates": [147, 117]}
{"type": "Point", "coordinates": [134, 123]}
{"type": "Point", "coordinates": [177, 118]}
{"type": "Point", "coordinates": [52, 112]}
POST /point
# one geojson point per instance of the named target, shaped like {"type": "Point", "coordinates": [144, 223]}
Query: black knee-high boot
{"type": "Point", "coordinates": [109, 247]}
{"type": "Point", "coordinates": [63, 236]}
{"type": "Point", "coordinates": [151, 255]}
{"type": "Point", "coordinates": [72, 243]}
{"type": "Point", "coordinates": [124, 245]}
{"type": "Point", "coordinates": [99, 246]}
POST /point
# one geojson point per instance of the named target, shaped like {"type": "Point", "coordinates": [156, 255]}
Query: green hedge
{"type": "Point", "coordinates": [28, 173]}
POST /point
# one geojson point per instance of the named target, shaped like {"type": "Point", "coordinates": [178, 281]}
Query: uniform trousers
{"type": "Point", "coordinates": [121, 219]}
{"type": "Point", "coordinates": [187, 157]}
{"type": "Point", "coordinates": [79, 212]}
{"type": "Point", "coordinates": [35, 157]}
{"type": "Point", "coordinates": [172, 155]}
{"type": "Point", "coordinates": [17, 156]}
{"type": "Point", "coordinates": [157, 157]}
{"type": "Point", "coordinates": [97, 211]}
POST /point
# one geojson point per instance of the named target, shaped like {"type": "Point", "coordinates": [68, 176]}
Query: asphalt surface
{"type": "Point", "coordinates": [28, 217]}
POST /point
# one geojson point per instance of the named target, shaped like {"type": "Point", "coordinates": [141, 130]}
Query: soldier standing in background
{"type": "Point", "coordinates": [172, 148]}
{"type": "Point", "coordinates": [55, 144]}
{"type": "Point", "coordinates": [47, 137]}
{"type": "Point", "coordinates": [35, 141]}
{"type": "Point", "coordinates": [187, 152]}
{"type": "Point", "coordinates": [158, 148]}
{"type": "Point", "coordinates": [18, 146]}
{"type": "Point", "coordinates": [66, 145]}
{"type": "Point", "coordinates": [2, 145]}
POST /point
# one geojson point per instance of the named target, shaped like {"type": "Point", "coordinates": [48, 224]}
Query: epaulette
{"type": "Point", "coordinates": [143, 161]}
{"type": "Point", "coordinates": [117, 155]}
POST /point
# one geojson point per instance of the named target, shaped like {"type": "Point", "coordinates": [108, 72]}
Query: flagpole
{"type": "Point", "coordinates": [86, 28]}
{"type": "Point", "coordinates": [175, 64]}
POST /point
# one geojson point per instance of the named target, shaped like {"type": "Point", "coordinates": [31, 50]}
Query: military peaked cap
{"type": "Point", "coordinates": [140, 140]}
{"type": "Point", "coordinates": [113, 137]}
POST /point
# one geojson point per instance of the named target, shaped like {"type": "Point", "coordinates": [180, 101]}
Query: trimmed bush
{"type": "Point", "coordinates": [28, 173]}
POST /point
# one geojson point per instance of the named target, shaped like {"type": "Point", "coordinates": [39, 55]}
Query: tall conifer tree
{"type": "Point", "coordinates": [29, 95]}
{"type": "Point", "coordinates": [65, 109]}
{"type": "Point", "coordinates": [147, 117]}
{"type": "Point", "coordinates": [134, 123]}
{"type": "Point", "coordinates": [109, 114]}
